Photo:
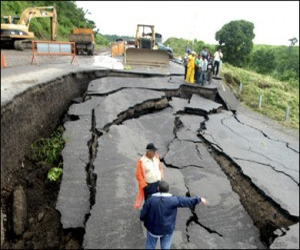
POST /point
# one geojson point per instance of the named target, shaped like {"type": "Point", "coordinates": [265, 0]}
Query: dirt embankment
{"type": "Point", "coordinates": [40, 227]}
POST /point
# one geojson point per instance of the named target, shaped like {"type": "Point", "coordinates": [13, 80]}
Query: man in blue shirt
{"type": "Point", "coordinates": [159, 215]}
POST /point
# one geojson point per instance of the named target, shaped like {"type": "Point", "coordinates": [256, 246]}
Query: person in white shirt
{"type": "Point", "coordinates": [149, 172]}
{"type": "Point", "coordinates": [217, 59]}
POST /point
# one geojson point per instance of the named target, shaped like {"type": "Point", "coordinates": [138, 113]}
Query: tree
{"type": "Point", "coordinates": [293, 41]}
{"type": "Point", "coordinates": [235, 40]}
{"type": "Point", "coordinates": [263, 61]}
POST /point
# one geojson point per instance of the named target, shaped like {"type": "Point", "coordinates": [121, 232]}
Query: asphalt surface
{"type": "Point", "coordinates": [113, 223]}
{"type": "Point", "coordinates": [108, 118]}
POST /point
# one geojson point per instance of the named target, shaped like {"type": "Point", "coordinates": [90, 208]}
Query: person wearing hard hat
{"type": "Point", "coordinates": [190, 68]}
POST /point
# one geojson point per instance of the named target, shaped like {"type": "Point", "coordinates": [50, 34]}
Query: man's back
{"type": "Point", "coordinates": [160, 210]}
{"type": "Point", "coordinates": [159, 215]}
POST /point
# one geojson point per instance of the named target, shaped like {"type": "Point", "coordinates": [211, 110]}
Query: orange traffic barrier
{"type": "Point", "coordinates": [3, 61]}
{"type": "Point", "coordinates": [50, 48]}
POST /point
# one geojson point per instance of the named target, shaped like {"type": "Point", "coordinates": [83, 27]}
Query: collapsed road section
{"type": "Point", "coordinates": [121, 115]}
{"type": "Point", "coordinates": [206, 150]}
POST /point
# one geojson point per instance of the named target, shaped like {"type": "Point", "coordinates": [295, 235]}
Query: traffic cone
{"type": "Point", "coordinates": [3, 61]}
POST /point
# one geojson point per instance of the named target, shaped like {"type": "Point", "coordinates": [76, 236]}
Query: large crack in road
{"type": "Point", "coordinates": [124, 119]}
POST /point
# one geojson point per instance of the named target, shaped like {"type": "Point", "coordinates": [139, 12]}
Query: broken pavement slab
{"type": "Point", "coordinates": [86, 107]}
{"type": "Point", "coordinates": [202, 106]}
{"type": "Point", "coordinates": [187, 127]}
{"type": "Point", "coordinates": [275, 133]}
{"type": "Point", "coordinates": [125, 103]}
{"type": "Point", "coordinates": [73, 201]}
{"type": "Point", "coordinates": [107, 85]}
{"type": "Point", "coordinates": [183, 154]}
{"type": "Point", "coordinates": [258, 157]}
{"type": "Point", "coordinates": [226, 95]}
{"type": "Point", "coordinates": [178, 104]}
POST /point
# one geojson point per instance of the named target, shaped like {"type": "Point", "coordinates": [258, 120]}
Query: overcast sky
{"type": "Point", "coordinates": [274, 22]}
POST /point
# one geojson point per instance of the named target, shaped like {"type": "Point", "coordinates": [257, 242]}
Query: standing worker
{"type": "Point", "coordinates": [197, 68]}
{"type": "Point", "coordinates": [210, 66]}
{"type": "Point", "coordinates": [217, 60]}
{"type": "Point", "coordinates": [203, 67]}
{"type": "Point", "coordinates": [190, 68]}
{"type": "Point", "coordinates": [148, 173]}
{"type": "Point", "coordinates": [159, 215]}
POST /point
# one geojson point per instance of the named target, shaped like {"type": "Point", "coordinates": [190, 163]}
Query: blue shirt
{"type": "Point", "coordinates": [160, 210]}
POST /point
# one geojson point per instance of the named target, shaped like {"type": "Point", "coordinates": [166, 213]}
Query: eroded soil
{"type": "Point", "coordinates": [43, 228]}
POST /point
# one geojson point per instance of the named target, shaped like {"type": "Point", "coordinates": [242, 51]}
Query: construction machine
{"type": "Point", "coordinates": [15, 30]}
{"type": "Point", "coordinates": [84, 40]}
{"type": "Point", "coordinates": [146, 52]}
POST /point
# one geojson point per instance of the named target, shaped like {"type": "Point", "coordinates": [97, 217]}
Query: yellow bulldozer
{"type": "Point", "coordinates": [146, 52]}
{"type": "Point", "coordinates": [15, 30]}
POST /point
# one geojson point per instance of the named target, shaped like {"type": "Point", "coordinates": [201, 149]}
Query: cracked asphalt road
{"type": "Point", "coordinates": [98, 186]}
{"type": "Point", "coordinates": [130, 112]}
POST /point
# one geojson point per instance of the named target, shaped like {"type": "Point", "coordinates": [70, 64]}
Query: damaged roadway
{"type": "Point", "coordinates": [120, 116]}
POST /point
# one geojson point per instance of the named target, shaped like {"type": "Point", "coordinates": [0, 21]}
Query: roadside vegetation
{"type": "Point", "coordinates": [276, 95]}
{"type": "Point", "coordinates": [69, 16]}
{"type": "Point", "coordinates": [48, 151]}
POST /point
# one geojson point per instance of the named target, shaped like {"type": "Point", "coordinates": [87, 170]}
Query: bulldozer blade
{"type": "Point", "coordinates": [146, 57]}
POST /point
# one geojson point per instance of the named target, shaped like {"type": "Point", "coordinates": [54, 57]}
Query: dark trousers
{"type": "Point", "coordinates": [185, 71]}
{"type": "Point", "coordinates": [196, 77]}
{"type": "Point", "coordinates": [209, 75]}
{"type": "Point", "coordinates": [150, 189]}
{"type": "Point", "coordinates": [216, 64]}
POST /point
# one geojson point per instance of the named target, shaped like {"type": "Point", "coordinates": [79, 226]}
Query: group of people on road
{"type": "Point", "coordinates": [200, 68]}
{"type": "Point", "coordinates": [160, 207]}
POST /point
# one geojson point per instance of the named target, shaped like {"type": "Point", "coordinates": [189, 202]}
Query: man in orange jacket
{"type": "Point", "coordinates": [148, 173]}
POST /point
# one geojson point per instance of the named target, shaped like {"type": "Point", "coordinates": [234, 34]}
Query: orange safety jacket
{"type": "Point", "coordinates": [140, 176]}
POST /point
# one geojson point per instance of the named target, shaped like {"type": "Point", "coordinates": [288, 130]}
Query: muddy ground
{"type": "Point", "coordinates": [43, 229]}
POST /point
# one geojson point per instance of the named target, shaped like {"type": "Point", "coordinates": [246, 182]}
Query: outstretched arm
{"type": "Point", "coordinates": [190, 201]}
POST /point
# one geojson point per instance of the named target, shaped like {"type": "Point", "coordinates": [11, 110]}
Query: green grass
{"type": "Point", "coordinates": [277, 95]}
{"type": "Point", "coordinates": [48, 150]}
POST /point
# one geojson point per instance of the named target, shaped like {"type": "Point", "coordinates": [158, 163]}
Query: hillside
{"type": "Point", "coordinates": [276, 95]}
{"type": "Point", "coordinates": [68, 17]}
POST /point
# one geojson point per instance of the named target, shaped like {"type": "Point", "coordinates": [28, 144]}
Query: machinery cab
{"type": "Point", "coordinates": [10, 19]}
{"type": "Point", "coordinates": [146, 52]}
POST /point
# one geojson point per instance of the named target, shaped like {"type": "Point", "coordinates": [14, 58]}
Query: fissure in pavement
{"type": "Point", "coordinates": [266, 214]}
